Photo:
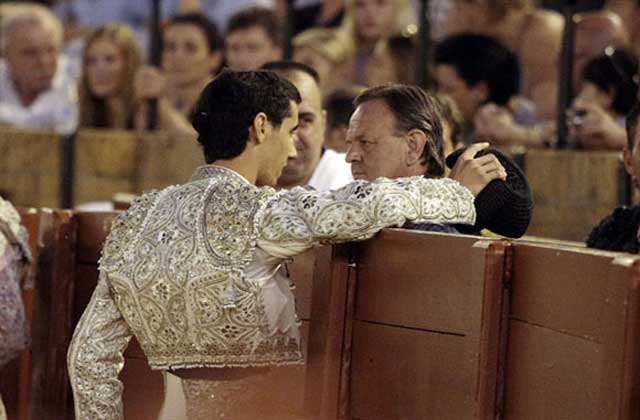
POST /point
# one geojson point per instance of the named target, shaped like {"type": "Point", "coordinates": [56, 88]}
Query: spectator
{"type": "Point", "coordinates": [14, 257]}
{"type": "Point", "coordinates": [609, 89]}
{"type": "Point", "coordinates": [595, 31]}
{"type": "Point", "coordinates": [366, 22]}
{"type": "Point", "coordinates": [629, 11]}
{"type": "Point", "coordinates": [533, 34]}
{"type": "Point", "coordinates": [191, 56]}
{"type": "Point", "coordinates": [317, 13]}
{"type": "Point", "coordinates": [324, 50]}
{"type": "Point", "coordinates": [619, 231]}
{"type": "Point", "coordinates": [82, 17]}
{"type": "Point", "coordinates": [475, 70]}
{"type": "Point", "coordinates": [111, 58]}
{"type": "Point", "coordinates": [254, 37]}
{"type": "Point", "coordinates": [339, 105]}
{"type": "Point", "coordinates": [452, 124]}
{"type": "Point", "coordinates": [396, 131]}
{"type": "Point", "coordinates": [35, 91]}
{"type": "Point", "coordinates": [218, 11]}
{"type": "Point", "coordinates": [320, 168]}
{"type": "Point", "coordinates": [393, 61]}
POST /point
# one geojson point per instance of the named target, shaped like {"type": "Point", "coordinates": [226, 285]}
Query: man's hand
{"type": "Point", "coordinates": [149, 82]}
{"type": "Point", "coordinates": [496, 124]}
{"type": "Point", "coordinates": [596, 129]}
{"type": "Point", "coordinates": [476, 173]}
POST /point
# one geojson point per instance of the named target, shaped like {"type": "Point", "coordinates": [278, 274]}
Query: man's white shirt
{"type": "Point", "coordinates": [332, 172]}
{"type": "Point", "coordinates": [55, 108]}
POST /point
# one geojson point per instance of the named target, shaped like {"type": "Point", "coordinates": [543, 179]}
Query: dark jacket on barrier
{"type": "Point", "coordinates": [618, 231]}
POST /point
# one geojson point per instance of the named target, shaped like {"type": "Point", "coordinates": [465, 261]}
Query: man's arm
{"type": "Point", "coordinates": [95, 357]}
{"type": "Point", "coordinates": [303, 218]}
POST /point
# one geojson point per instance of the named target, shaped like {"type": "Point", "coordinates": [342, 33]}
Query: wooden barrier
{"type": "Point", "coordinates": [52, 316]}
{"type": "Point", "coordinates": [406, 325]}
{"type": "Point", "coordinates": [427, 327]}
{"type": "Point", "coordinates": [30, 167]}
{"type": "Point", "coordinates": [108, 162]}
{"type": "Point", "coordinates": [573, 349]}
{"type": "Point", "coordinates": [326, 390]}
{"type": "Point", "coordinates": [572, 191]}
{"type": "Point", "coordinates": [35, 171]}
{"type": "Point", "coordinates": [167, 160]}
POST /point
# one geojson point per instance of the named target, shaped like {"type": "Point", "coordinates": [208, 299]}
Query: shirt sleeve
{"type": "Point", "coordinates": [95, 357]}
{"type": "Point", "coordinates": [302, 218]}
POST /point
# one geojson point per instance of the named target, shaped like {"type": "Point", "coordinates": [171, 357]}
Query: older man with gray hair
{"type": "Point", "coordinates": [35, 90]}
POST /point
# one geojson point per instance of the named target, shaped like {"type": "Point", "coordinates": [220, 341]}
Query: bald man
{"type": "Point", "coordinates": [594, 32]}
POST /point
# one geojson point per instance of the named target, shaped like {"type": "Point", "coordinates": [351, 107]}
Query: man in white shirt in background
{"type": "Point", "coordinates": [315, 166]}
{"type": "Point", "coordinates": [35, 90]}
{"type": "Point", "coordinates": [253, 37]}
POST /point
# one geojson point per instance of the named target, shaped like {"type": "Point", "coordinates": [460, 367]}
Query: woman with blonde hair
{"type": "Point", "coordinates": [110, 61]}
{"type": "Point", "coordinates": [324, 50]}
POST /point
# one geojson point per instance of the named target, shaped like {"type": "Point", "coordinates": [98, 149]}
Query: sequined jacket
{"type": "Point", "coordinates": [177, 271]}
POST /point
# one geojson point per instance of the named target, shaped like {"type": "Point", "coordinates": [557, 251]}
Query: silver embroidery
{"type": "Point", "coordinates": [172, 271]}
{"type": "Point", "coordinates": [361, 209]}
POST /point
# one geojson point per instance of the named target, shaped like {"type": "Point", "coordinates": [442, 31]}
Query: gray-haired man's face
{"type": "Point", "coordinates": [32, 54]}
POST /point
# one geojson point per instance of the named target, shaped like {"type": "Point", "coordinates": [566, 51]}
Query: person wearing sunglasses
{"type": "Point", "coordinates": [607, 94]}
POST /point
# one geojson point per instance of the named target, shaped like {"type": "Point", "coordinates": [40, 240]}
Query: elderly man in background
{"type": "Point", "coordinates": [35, 90]}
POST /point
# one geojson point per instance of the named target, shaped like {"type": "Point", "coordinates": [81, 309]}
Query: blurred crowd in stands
{"type": "Point", "coordinates": [84, 63]}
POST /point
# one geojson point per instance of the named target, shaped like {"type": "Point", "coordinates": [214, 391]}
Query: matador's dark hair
{"type": "Point", "coordinates": [229, 104]}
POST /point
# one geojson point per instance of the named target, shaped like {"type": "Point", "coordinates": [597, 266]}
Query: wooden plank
{"type": "Point", "coordinates": [572, 191]}
{"type": "Point", "coordinates": [105, 163]}
{"type": "Point", "coordinates": [52, 324]}
{"type": "Point", "coordinates": [549, 288]}
{"type": "Point", "coordinates": [573, 351]}
{"type": "Point", "coordinates": [326, 334]}
{"type": "Point", "coordinates": [452, 308]}
{"type": "Point", "coordinates": [23, 181]}
{"type": "Point", "coordinates": [393, 289]}
{"type": "Point", "coordinates": [93, 229]}
{"type": "Point", "coordinates": [399, 373]}
{"type": "Point", "coordinates": [166, 160]}
{"type": "Point", "coordinates": [620, 384]}
{"type": "Point", "coordinates": [301, 273]}
{"type": "Point", "coordinates": [548, 376]}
